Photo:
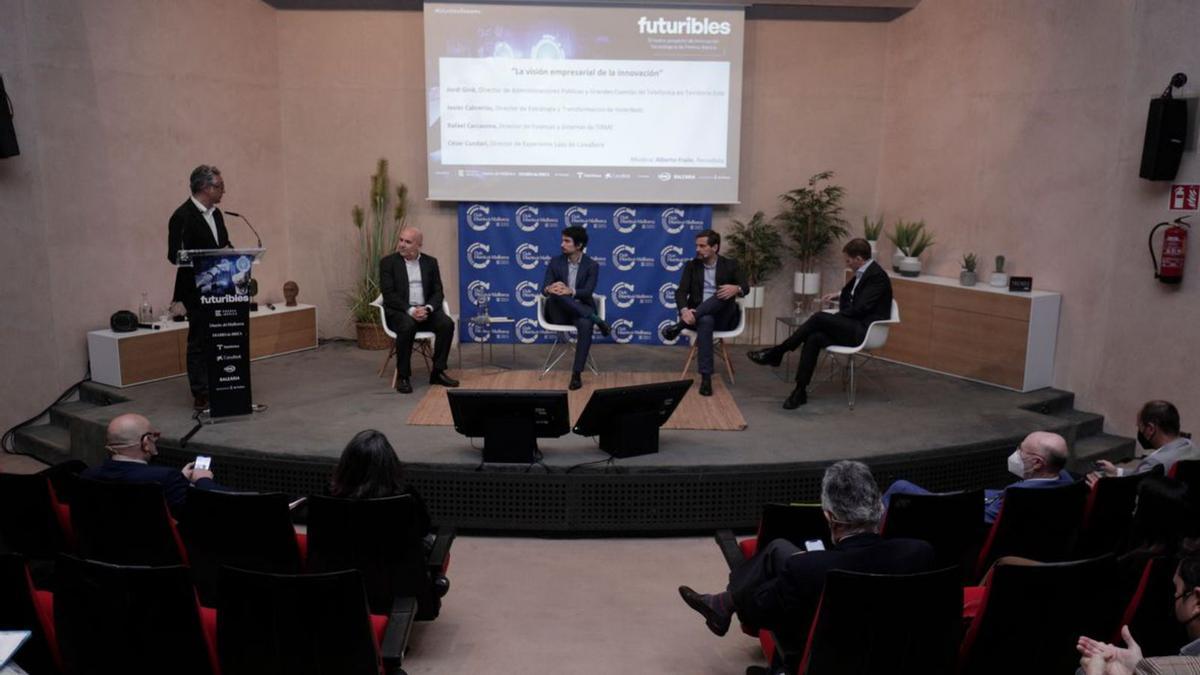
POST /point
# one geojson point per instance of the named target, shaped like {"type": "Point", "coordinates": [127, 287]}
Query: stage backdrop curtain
{"type": "Point", "coordinates": [641, 250]}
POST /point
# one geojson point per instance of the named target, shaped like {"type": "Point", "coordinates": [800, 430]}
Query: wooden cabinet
{"type": "Point", "coordinates": [978, 332]}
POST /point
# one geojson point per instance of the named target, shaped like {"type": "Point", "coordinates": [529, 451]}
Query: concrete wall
{"type": "Point", "coordinates": [1016, 128]}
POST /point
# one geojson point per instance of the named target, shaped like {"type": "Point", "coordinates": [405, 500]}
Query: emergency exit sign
{"type": "Point", "coordinates": [1185, 197]}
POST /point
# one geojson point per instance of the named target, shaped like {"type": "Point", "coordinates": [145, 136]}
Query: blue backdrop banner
{"type": "Point", "coordinates": [504, 248]}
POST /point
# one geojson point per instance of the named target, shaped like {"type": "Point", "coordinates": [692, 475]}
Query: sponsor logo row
{"type": "Point", "coordinates": [624, 257]}
{"type": "Point", "coordinates": [625, 219]}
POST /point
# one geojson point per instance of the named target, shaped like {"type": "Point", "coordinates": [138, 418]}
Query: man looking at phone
{"type": "Point", "coordinates": [131, 441]}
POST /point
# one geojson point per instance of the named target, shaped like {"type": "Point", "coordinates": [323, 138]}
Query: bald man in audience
{"type": "Point", "coordinates": [131, 442]}
{"type": "Point", "coordinates": [1039, 462]}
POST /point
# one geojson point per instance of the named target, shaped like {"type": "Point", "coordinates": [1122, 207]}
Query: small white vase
{"type": "Point", "coordinates": [754, 299]}
{"type": "Point", "coordinates": [999, 280]}
{"type": "Point", "coordinates": [806, 283]}
{"type": "Point", "coordinates": [874, 245]}
{"type": "Point", "coordinates": [910, 266]}
{"type": "Point", "coordinates": [896, 258]}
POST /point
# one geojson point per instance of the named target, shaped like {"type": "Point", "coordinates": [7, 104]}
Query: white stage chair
{"type": "Point", "coordinates": [877, 335]}
{"type": "Point", "coordinates": [422, 342]}
{"type": "Point", "coordinates": [719, 338]}
{"type": "Point", "coordinates": [564, 336]}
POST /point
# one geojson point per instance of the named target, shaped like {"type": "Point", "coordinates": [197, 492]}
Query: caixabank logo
{"type": "Point", "coordinates": [578, 216]}
{"type": "Point", "coordinates": [666, 294]}
{"type": "Point", "coordinates": [529, 258]}
{"type": "Point", "coordinates": [527, 331]}
{"type": "Point", "coordinates": [479, 256]}
{"type": "Point", "coordinates": [625, 295]}
{"type": "Point", "coordinates": [526, 293]}
{"type": "Point", "coordinates": [625, 258]}
{"type": "Point", "coordinates": [529, 218]}
{"type": "Point", "coordinates": [658, 332]}
{"type": "Point", "coordinates": [672, 258]}
{"type": "Point", "coordinates": [623, 332]}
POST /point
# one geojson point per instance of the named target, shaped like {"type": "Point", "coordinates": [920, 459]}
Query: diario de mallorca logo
{"type": "Point", "coordinates": [527, 331]}
{"type": "Point", "coordinates": [479, 217]}
{"type": "Point", "coordinates": [528, 258]}
{"type": "Point", "coordinates": [671, 257]}
{"type": "Point", "coordinates": [666, 294]}
{"type": "Point", "coordinates": [527, 293]}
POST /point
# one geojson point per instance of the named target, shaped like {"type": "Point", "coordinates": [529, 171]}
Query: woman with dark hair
{"type": "Point", "coordinates": [1163, 516]}
{"type": "Point", "coordinates": [369, 469]}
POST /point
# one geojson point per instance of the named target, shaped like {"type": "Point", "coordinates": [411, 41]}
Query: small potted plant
{"type": "Point", "coordinates": [967, 276]}
{"type": "Point", "coordinates": [999, 278]}
{"type": "Point", "coordinates": [910, 266]}
{"type": "Point", "coordinates": [871, 231]}
{"type": "Point", "coordinates": [901, 237]}
{"type": "Point", "coordinates": [755, 245]}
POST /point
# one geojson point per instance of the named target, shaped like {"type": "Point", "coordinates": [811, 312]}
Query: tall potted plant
{"type": "Point", "coordinates": [756, 244]}
{"type": "Point", "coordinates": [812, 220]}
{"type": "Point", "coordinates": [378, 232]}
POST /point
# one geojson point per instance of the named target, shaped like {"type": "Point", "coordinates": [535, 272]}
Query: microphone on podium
{"type": "Point", "coordinates": [235, 214]}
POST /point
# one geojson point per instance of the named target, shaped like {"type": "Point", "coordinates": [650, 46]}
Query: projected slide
{"type": "Point", "coordinates": [577, 104]}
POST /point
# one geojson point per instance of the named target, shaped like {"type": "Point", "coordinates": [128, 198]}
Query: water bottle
{"type": "Point", "coordinates": [145, 311]}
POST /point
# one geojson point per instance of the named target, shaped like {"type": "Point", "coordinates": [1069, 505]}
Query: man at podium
{"type": "Point", "coordinates": [197, 224]}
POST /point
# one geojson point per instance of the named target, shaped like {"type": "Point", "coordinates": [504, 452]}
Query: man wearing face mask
{"type": "Point", "coordinates": [1039, 462]}
{"type": "Point", "coordinates": [1101, 657]}
{"type": "Point", "coordinates": [1157, 430]}
{"type": "Point", "coordinates": [131, 441]}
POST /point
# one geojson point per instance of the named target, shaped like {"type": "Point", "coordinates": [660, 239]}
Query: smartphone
{"type": "Point", "coordinates": [202, 462]}
{"type": "Point", "coordinates": [814, 545]}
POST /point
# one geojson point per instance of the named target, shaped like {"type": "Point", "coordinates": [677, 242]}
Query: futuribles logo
{"type": "Point", "coordinates": [686, 26]}
{"type": "Point", "coordinates": [672, 220]}
{"type": "Point", "coordinates": [658, 332]}
{"type": "Point", "coordinates": [527, 331]}
{"type": "Point", "coordinates": [623, 220]}
{"type": "Point", "coordinates": [666, 294]}
{"type": "Point", "coordinates": [622, 294]}
{"type": "Point", "coordinates": [672, 258]}
{"type": "Point", "coordinates": [477, 255]}
{"type": "Point", "coordinates": [479, 217]}
{"type": "Point", "coordinates": [623, 257]}
{"type": "Point", "coordinates": [479, 292]}
{"type": "Point", "coordinates": [622, 331]}
{"type": "Point", "coordinates": [527, 293]}
{"type": "Point", "coordinates": [527, 256]}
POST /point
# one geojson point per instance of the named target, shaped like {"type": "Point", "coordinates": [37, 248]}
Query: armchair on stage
{"type": "Point", "coordinates": [719, 338]}
{"type": "Point", "coordinates": [876, 338]}
{"type": "Point", "coordinates": [564, 336]}
{"type": "Point", "coordinates": [422, 343]}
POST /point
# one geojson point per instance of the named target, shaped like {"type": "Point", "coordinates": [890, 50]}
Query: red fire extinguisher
{"type": "Point", "coordinates": [1169, 269]}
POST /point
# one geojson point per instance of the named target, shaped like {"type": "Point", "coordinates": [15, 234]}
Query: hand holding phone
{"type": "Point", "coordinates": [202, 462]}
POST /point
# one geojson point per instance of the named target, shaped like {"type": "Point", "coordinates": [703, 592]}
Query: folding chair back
{"type": "Point", "coordinates": [124, 523]}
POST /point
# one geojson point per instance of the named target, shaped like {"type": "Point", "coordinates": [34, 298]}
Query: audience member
{"type": "Point", "coordinates": [369, 469]}
{"type": "Point", "coordinates": [780, 586]}
{"type": "Point", "coordinates": [131, 442]}
{"type": "Point", "coordinates": [1101, 657]}
{"type": "Point", "coordinates": [1157, 430]}
{"type": "Point", "coordinates": [1163, 516]}
{"type": "Point", "coordinates": [1039, 462]}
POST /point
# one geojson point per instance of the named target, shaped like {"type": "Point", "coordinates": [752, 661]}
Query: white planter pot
{"type": "Point", "coordinates": [896, 258]}
{"type": "Point", "coordinates": [910, 266]}
{"type": "Point", "coordinates": [806, 283]}
{"type": "Point", "coordinates": [999, 280]}
{"type": "Point", "coordinates": [874, 246]}
{"type": "Point", "coordinates": [754, 299]}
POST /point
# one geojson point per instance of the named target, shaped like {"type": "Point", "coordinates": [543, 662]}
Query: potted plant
{"type": "Point", "coordinates": [999, 278]}
{"type": "Point", "coordinates": [871, 231]}
{"type": "Point", "coordinates": [910, 265]}
{"type": "Point", "coordinates": [755, 244]}
{"type": "Point", "coordinates": [378, 233]}
{"type": "Point", "coordinates": [812, 220]}
{"type": "Point", "coordinates": [967, 276]}
{"type": "Point", "coordinates": [902, 236]}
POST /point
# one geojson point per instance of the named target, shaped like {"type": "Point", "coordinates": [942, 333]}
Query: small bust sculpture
{"type": "Point", "coordinates": [290, 290]}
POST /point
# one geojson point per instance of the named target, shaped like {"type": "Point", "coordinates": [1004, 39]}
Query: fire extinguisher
{"type": "Point", "coordinates": [1174, 251]}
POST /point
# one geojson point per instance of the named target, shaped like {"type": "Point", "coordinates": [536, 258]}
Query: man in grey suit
{"type": "Point", "coordinates": [1157, 430]}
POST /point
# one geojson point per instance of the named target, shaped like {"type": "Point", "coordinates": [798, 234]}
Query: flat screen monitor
{"type": "Point", "coordinates": [627, 418]}
{"type": "Point", "coordinates": [510, 422]}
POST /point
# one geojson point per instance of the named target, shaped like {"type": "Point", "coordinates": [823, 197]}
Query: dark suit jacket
{"type": "Point", "coordinates": [873, 299]}
{"type": "Point", "coordinates": [788, 601]}
{"type": "Point", "coordinates": [691, 286]}
{"type": "Point", "coordinates": [174, 485]}
{"type": "Point", "coordinates": [585, 279]}
{"type": "Point", "coordinates": [393, 283]}
{"type": "Point", "coordinates": [187, 229]}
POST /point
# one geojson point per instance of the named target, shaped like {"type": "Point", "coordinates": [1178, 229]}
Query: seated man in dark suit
{"type": "Point", "coordinates": [779, 588]}
{"type": "Point", "coordinates": [570, 281]}
{"type": "Point", "coordinates": [412, 302]}
{"type": "Point", "coordinates": [707, 301]}
{"type": "Point", "coordinates": [131, 443]}
{"type": "Point", "coordinates": [865, 298]}
{"type": "Point", "coordinates": [1039, 462]}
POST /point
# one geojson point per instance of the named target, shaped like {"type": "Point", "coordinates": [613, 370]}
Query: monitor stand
{"type": "Point", "coordinates": [631, 434]}
{"type": "Point", "coordinates": [510, 440]}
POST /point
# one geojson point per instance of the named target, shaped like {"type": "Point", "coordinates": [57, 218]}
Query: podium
{"type": "Point", "coordinates": [222, 277]}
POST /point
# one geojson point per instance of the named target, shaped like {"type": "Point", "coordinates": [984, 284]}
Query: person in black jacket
{"type": "Point", "coordinates": [707, 301]}
{"type": "Point", "coordinates": [779, 588]}
{"type": "Point", "coordinates": [864, 299]}
{"type": "Point", "coordinates": [412, 301]}
{"type": "Point", "coordinates": [369, 469]}
{"type": "Point", "coordinates": [197, 224]}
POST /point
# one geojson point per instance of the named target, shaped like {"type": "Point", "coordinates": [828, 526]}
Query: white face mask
{"type": "Point", "coordinates": [1016, 465]}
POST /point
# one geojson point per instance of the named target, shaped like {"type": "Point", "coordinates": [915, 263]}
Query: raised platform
{"type": "Point", "coordinates": [940, 431]}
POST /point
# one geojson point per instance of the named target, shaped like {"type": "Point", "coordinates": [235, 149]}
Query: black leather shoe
{"type": "Point", "coordinates": [766, 357]}
{"type": "Point", "coordinates": [576, 382]}
{"type": "Point", "coordinates": [603, 327]}
{"type": "Point", "coordinates": [716, 622]}
{"type": "Point", "coordinates": [797, 398]}
{"type": "Point", "coordinates": [671, 332]}
{"type": "Point", "coordinates": [441, 586]}
{"type": "Point", "coordinates": [706, 385]}
{"type": "Point", "coordinates": [200, 402]}
{"type": "Point", "coordinates": [403, 385]}
{"type": "Point", "coordinates": [440, 377]}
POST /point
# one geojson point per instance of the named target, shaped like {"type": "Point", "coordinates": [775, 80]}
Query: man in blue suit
{"type": "Point", "coordinates": [1038, 461]}
{"type": "Point", "coordinates": [570, 282]}
{"type": "Point", "coordinates": [131, 442]}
